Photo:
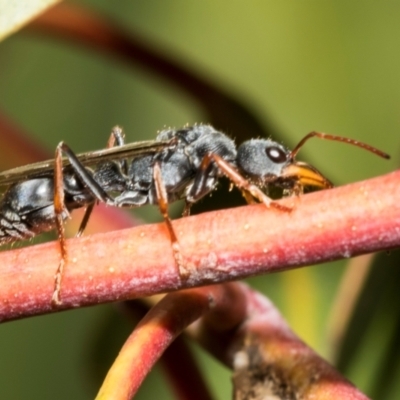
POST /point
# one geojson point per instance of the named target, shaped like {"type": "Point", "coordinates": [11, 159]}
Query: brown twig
{"type": "Point", "coordinates": [217, 247]}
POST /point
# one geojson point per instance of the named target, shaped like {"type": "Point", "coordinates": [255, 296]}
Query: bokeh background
{"type": "Point", "coordinates": [332, 66]}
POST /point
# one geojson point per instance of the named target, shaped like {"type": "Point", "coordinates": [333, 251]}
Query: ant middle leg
{"type": "Point", "coordinates": [59, 211]}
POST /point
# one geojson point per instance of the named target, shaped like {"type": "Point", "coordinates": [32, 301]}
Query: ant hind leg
{"type": "Point", "coordinates": [116, 139]}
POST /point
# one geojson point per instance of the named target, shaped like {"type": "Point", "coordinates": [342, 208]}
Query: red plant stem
{"type": "Point", "coordinates": [216, 247]}
{"type": "Point", "coordinates": [160, 327]}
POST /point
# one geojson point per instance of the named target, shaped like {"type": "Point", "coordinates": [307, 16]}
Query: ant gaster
{"type": "Point", "coordinates": [180, 164]}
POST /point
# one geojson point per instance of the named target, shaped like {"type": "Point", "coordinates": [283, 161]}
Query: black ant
{"type": "Point", "coordinates": [180, 164]}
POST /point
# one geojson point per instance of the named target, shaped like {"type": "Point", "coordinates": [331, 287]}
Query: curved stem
{"type": "Point", "coordinates": [159, 328]}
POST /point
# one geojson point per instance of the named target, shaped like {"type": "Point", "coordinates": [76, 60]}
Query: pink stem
{"type": "Point", "coordinates": [216, 247]}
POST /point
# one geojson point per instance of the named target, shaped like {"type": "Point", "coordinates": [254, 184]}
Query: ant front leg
{"type": "Point", "coordinates": [248, 189]}
{"type": "Point", "coordinates": [162, 200]}
{"type": "Point", "coordinates": [243, 184]}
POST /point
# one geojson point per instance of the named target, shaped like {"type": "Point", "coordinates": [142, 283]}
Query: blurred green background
{"type": "Point", "coordinates": [332, 66]}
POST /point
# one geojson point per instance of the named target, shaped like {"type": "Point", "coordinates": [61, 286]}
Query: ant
{"type": "Point", "coordinates": [180, 164]}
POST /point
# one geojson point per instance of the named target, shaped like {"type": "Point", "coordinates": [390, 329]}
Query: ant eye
{"type": "Point", "coordinates": [276, 154]}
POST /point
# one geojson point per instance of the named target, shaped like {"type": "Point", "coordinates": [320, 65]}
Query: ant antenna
{"type": "Point", "coordinates": [321, 135]}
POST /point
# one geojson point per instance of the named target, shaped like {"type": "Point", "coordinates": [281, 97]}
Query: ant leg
{"type": "Point", "coordinates": [85, 176]}
{"type": "Point", "coordinates": [85, 219]}
{"type": "Point", "coordinates": [297, 190]}
{"type": "Point", "coordinates": [117, 138]}
{"type": "Point", "coordinates": [248, 189]}
{"type": "Point", "coordinates": [186, 209]}
{"type": "Point", "coordinates": [244, 184]}
{"type": "Point", "coordinates": [59, 210]}
{"type": "Point", "coordinates": [248, 197]}
{"type": "Point", "coordinates": [162, 199]}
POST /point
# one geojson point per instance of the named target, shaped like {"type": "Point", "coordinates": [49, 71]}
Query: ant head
{"type": "Point", "coordinates": [262, 158]}
{"type": "Point", "coordinates": [265, 161]}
